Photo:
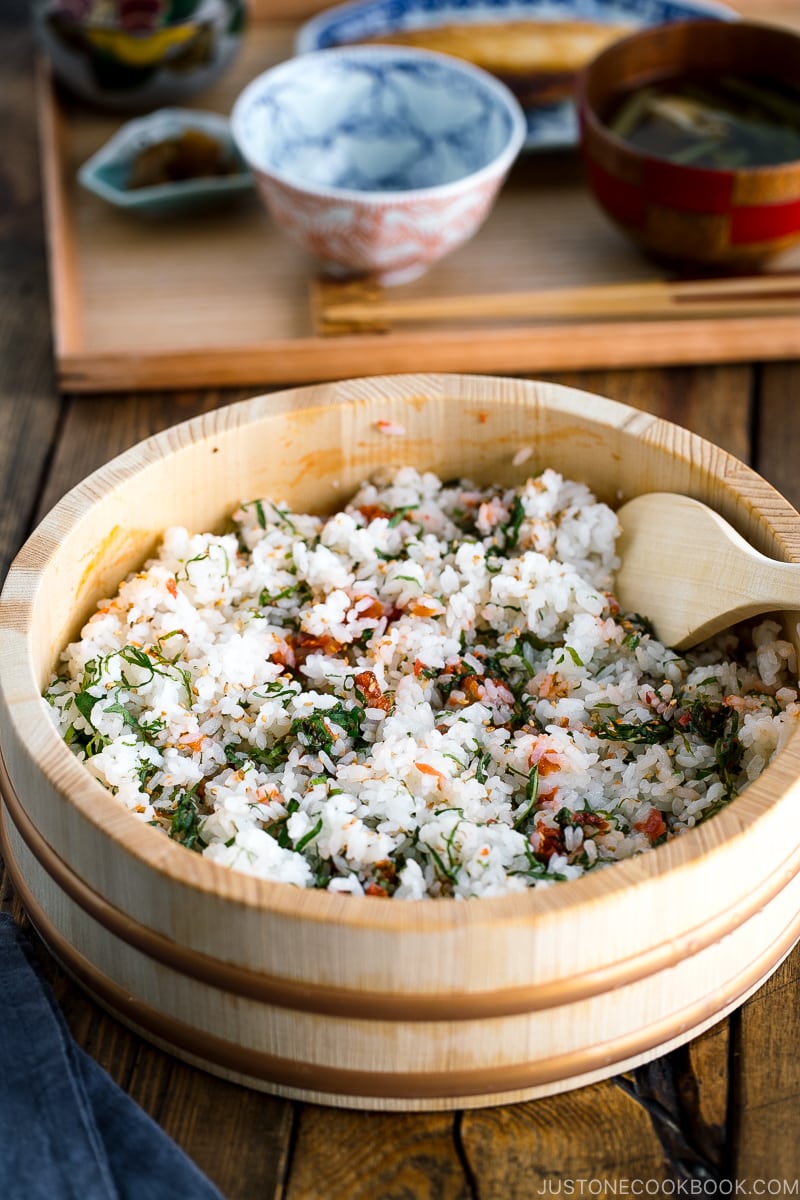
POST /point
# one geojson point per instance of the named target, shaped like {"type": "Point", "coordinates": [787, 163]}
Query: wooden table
{"type": "Point", "coordinates": [724, 1107]}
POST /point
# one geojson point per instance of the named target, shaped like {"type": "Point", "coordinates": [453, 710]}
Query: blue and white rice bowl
{"type": "Point", "coordinates": [378, 159]}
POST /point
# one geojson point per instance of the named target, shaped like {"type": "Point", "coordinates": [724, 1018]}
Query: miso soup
{"type": "Point", "coordinates": [734, 122]}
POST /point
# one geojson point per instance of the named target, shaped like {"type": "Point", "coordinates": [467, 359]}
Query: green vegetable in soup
{"type": "Point", "coordinates": [726, 124]}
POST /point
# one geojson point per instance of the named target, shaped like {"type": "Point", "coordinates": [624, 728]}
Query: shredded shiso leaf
{"type": "Point", "coordinates": [429, 693]}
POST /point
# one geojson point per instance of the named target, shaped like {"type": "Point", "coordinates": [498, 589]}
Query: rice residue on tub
{"type": "Point", "coordinates": [431, 692]}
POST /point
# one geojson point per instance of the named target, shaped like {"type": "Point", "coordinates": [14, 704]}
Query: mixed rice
{"type": "Point", "coordinates": [429, 693]}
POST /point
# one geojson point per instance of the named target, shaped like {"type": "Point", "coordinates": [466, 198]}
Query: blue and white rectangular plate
{"type": "Point", "coordinates": [550, 126]}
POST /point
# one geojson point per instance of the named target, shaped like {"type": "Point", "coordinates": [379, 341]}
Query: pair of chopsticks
{"type": "Point", "coordinates": [724, 296]}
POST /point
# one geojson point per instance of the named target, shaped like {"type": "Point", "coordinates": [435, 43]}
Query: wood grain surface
{"type": "Point", "coordinates": [725, 1107]}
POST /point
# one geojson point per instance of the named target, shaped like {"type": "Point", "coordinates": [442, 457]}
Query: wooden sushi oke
{"type": "Point", "coordinates": [349, 1001]}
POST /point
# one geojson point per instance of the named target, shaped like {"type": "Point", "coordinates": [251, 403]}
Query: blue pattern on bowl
{"type": "Point", "coordinates": [380, 125]}
{"type": "Point", "coordinates": [378, 158]}
{"type": "Point", "coordinates": [549, 127]}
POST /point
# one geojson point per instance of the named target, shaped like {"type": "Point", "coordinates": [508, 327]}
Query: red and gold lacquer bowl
{"type": "Point", "coordinates": [728, 218]}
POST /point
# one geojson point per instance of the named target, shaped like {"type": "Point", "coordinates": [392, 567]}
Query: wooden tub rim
{"type": "Point", "coordinates": [283, 991]}
{"type": "Point", "coordinates": [210, 1051]}
{"type": "Point", "coordinates": [65, 774]}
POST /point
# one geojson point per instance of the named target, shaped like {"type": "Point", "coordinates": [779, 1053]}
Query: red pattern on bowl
{"type": "Point", "coordinates": [399, 238]}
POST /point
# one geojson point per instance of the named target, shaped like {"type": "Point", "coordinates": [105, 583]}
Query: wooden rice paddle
{"type": "Point", "coordinates": [691, 574]}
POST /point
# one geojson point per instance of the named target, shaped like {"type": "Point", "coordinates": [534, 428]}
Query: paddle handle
{"type": "Point", "coordinates": [686, 569]}
{"type": "Point", "coordinates": [782, 582]}
{"type": "Point", "coordinates": [769, 586]}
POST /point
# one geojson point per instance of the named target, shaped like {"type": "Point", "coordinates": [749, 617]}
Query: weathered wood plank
{"type": "Point", "coordinates": [29, 405]}
{"type": "Point", "coordinates": [765, 1082]}
{"type": "Point", "coordinates": [778, 433]}
{"type": "Point", "coordinates": [664, 1121]}
{"type": "Point", "coordinates": [766, 1143]}
{"type": "Point", "coordinates": [671, 1092]}
{"type": "Point", "coordinates": [527, 1150]}
{"type": "Point", "coordinates": [240, 1138]}
{"type": "Point", "coordinates": [343, 1155]}
{"type": "Point", "coordinates": [703, 1086]}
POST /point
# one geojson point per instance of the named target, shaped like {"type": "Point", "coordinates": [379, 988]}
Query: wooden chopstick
{"type": "Point", "coordinates": [730, 295]}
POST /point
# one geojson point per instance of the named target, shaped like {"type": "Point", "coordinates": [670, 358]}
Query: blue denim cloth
{"type": "Point", "coordinates": [67, 1132]}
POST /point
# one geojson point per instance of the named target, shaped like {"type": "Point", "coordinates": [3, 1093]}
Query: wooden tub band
{"type": "Point", "coordinates": [419, 1085]}
{"type": "Point", "coordinates": [342, 1002]}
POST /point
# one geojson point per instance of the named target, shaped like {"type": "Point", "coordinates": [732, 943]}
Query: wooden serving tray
{"type": "Point", "coordinates": [225, 299]}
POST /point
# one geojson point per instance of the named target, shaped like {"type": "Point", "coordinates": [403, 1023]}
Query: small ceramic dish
{"type": "Point", "coordinates": [134, 57]}
{"type": "Point", "coordinates": [108, 172]}
{"type": "Point", "coordinates": [378, 159]}
{"type": "Point", "coordinates": [534, 46]}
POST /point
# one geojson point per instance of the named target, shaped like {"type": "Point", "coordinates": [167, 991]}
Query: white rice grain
{"type": "Point", "coordinates": [429, 693]}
